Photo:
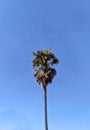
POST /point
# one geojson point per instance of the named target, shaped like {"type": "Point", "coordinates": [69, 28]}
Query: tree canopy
{"type": "Point", "coordinates": [43, 63]}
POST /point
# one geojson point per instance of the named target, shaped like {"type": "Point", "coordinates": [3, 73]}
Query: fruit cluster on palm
{"type": "Point", "coordinates": [44, 72]}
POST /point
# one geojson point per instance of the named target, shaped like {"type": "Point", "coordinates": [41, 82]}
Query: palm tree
{"type": "Point", "coordinates": [44, 73]}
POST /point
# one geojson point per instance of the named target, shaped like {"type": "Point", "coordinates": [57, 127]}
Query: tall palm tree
{"type": "Point", "coordinates": [44, 73]}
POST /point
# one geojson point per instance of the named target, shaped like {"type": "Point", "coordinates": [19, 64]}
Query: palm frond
{"type": "Point", "coordinates": [43, 62]}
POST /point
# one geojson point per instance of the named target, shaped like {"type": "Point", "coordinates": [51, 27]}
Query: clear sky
{"type": "Point", "coordinates": [30, 25]}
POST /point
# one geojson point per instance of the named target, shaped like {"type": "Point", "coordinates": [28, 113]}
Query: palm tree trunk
{"type": "Point", "coordinates": [45, 108]}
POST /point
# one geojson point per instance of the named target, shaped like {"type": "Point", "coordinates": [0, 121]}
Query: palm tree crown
{"type": "Point", "coordinates": [43, 63]}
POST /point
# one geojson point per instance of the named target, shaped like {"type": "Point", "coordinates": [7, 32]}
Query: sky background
{"type": "Point", "coordinates": [31, 25]}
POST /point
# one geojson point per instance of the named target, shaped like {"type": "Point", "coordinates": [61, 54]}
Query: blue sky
{"type": "Point", "coordinates": [30, 25]}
